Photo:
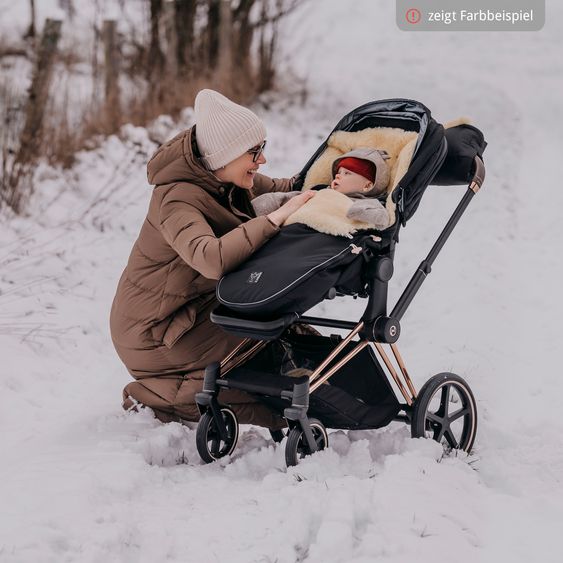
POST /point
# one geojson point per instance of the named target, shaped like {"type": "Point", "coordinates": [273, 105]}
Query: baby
{"type": "Point", "coordinates": [361, 174]}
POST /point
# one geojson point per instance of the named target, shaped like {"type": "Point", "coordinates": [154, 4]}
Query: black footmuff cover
{"type": "Point", "coordinates": [293, 272]}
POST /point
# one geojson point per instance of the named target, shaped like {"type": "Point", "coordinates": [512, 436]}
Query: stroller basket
{"type": "Point", "coordinates": [358, 395]}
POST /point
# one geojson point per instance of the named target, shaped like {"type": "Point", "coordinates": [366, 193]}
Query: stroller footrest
{"type": "Point", "coordinates": [261, 383]}
{"type": "Point", "coordinates": [251, 328]}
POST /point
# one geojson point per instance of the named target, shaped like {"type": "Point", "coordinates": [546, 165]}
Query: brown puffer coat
{"type": "Point", "coordinates": [197, 228]}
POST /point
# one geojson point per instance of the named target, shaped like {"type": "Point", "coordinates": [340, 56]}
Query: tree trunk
{"type": "Point", "coordinates": [266, 49]}
{"type": "Point", "coordinates": [225, 44]}
{"type": "Point", "coordinates": [39, 89]}
{"type": "Point", "coordinates": [155, 55]}
{"type": "Point", "coordinates": [111, 72]}
{"type": "Point", "coordinates": [184, 20]}
{"type": "Point", "coordinates": [244, 32]}
{"type": "Point", "coordinates": [213, 23]}
{"type": "Point", "coordinates": [31, 137]}
{"type": "Point", "coordinates": [171, 38]}
{"type": "Point", "coordinates": [31, 30]}
{"type": "Point", "coordinates": [155, 64]}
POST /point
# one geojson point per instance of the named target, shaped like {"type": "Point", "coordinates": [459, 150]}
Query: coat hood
{"type": "Point", "coordinates": [178, 161]}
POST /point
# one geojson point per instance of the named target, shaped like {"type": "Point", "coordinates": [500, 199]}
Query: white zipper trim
{"type": "Point", "coordinates": [348, 248]}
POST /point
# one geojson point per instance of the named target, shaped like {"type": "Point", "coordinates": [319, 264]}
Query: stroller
{"type": "Point", "coordinates": [317, 382]}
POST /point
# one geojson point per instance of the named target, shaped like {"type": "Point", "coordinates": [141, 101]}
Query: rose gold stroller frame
{"type": "Point", "coordinates": [317, 378]}
{"type": "Point", "coordinates": [408, 391]}
{"type": "Point", "coordinates": [239, 355]}
{"type": "Point", "coordinates": [237, 360]}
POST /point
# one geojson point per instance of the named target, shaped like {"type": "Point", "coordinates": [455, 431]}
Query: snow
{"type": "Point", "coordinates": [80, 480]}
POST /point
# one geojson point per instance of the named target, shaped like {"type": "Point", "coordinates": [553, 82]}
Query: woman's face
{"type": "Point", "coordinates": [241, 171]}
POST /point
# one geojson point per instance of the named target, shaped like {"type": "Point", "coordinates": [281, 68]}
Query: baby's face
{"type": "Point", "coordinates": [348, 182]}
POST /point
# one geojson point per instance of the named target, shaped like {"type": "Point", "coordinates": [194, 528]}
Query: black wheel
{"type": "Point", "coordinates": [297, 447]}
{"type": "Point", "coordinates": [445, 411]}
{"type": "Point", "coordinates": [208, 441]}
{"type": "Point", "coordinates": [277, 435]}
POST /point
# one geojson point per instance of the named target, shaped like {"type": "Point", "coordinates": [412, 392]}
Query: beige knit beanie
{"type": "Point", "coordinates": [224, 130]}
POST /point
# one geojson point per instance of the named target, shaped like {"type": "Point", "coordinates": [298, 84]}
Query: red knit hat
{"type": "Point", "coordinates": [360, 166]}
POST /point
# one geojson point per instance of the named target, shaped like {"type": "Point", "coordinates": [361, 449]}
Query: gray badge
{"type": "Point", "coordinates": [254, 277]}
{"type": "Point", "coordinates": [470, 15]}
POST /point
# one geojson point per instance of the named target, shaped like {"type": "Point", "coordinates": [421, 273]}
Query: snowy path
{"type": "Point", "coordinates": [82, 481]}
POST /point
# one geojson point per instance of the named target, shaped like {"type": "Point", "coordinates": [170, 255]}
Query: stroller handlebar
{"type": "Point", "coordinates": [478, 175]}
{"type": "Point", "coordinates": [426, 265]}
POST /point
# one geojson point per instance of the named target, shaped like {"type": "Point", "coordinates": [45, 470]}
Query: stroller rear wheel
{"type": "Point", "coordinates": [208, 439]}
{"type": "Point", "coordinates": [297, 447]}
{"type": "Point", "coordinates": [445, 411]}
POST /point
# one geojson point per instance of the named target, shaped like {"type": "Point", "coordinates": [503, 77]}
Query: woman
{"type": "Point", "coordinates": [200, 224]}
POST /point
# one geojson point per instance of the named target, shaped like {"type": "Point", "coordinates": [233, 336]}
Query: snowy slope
{"type": "Point", "coordinates": [82, 481]}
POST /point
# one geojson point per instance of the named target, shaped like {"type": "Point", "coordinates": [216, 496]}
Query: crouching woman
{"type": "Point", "coordinates": [200, 224]}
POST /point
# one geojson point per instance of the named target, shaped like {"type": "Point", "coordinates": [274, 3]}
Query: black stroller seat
{"type": "Point", "coordinates": [260, 329]}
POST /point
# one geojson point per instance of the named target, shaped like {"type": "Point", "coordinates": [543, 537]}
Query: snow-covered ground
{"type": "Point", "coordinates": [80, 480]}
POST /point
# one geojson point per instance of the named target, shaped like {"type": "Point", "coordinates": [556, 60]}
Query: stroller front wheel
{"type": "Point", "coordinates": [297, 447]}
{"type": "Point", "coordinates": [210, 445]}
{"type": "Point", "coordinates": [445, 411]}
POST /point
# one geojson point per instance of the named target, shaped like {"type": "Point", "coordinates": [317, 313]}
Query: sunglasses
{"type": "Point", "coordinates": [257, 151]}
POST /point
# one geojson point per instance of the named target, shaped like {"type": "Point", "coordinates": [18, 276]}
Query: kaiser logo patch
{"type": "Point", "coordinates": [254, 277]}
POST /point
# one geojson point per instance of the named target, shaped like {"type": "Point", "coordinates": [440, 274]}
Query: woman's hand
{"type": "Point", "coordinates": [280, 215]}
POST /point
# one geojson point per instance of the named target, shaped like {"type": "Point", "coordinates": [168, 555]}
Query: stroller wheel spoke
{"type": "Point", "coordinates": [445, 400]}
{"type": "Point", "coordinates": [434, 418]}
{"type": "Point", "coordinates": [434, 424]}
{"type": "Point", "coordinates": [452, 442]}
{"type": "Point", "coordinates": [458, 414]}
{"type": "Point", "coordinates": [439, 433]}
{"type": "Point", "coordinates": [215, 443]}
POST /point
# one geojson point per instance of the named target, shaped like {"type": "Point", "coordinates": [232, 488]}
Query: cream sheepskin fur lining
{"type": "Point", "coordinates": [326, 213]}
{"type": "Point", "coordinates": [399, 145]}
{"type": "Point", "coordinates": [458, 121]}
